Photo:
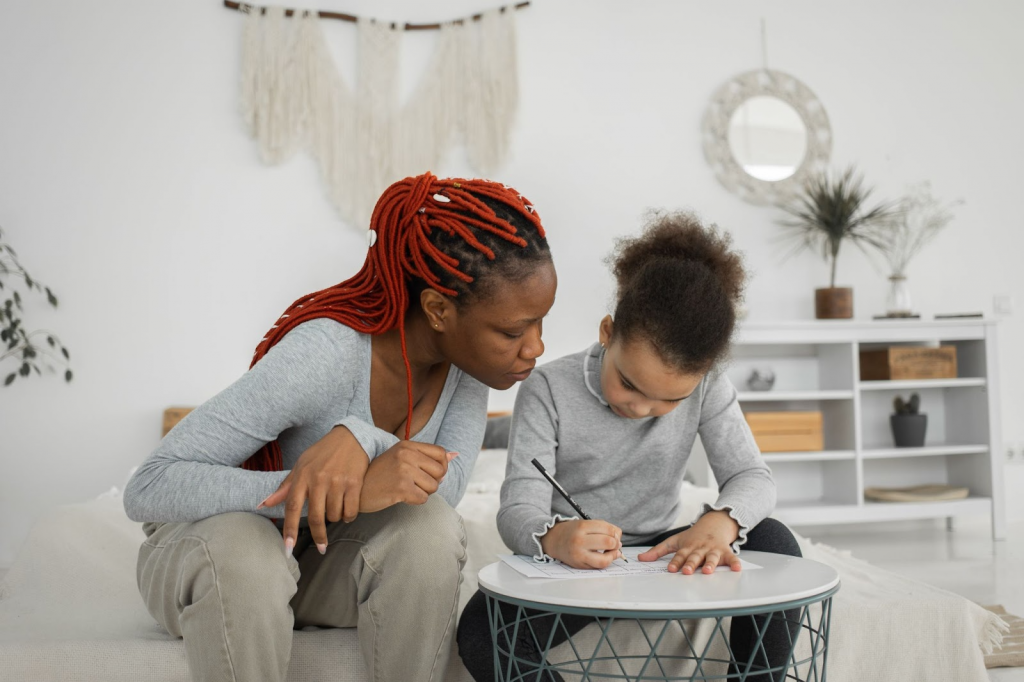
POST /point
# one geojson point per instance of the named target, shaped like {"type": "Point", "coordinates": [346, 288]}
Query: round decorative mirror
{"type": "Point", "coordinates": [764, 134]}
{"type": "Point", "coordinates": [767, 138]}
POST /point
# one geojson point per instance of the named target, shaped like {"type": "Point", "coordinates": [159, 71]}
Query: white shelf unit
{"type": "Point", "coordinates": [817, 367]}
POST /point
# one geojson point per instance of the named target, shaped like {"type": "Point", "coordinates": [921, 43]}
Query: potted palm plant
{"type": "Point", "coordinates": [828, 212]}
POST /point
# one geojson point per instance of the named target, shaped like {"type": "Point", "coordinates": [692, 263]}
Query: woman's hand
{"type": "Point", "coordinates": [407, 472]}
{"type": "Point", "coordinates": [329, 476]}
{"type": "Point", "coordinates": [583, 544]}
{"type": "Point", "coordinates": [707, 542]}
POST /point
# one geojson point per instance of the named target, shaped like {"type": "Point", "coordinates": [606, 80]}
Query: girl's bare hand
{"type": "Point", "coordinates": [707, 543]}
{"type": "Point", "coordinates": [590, 544]}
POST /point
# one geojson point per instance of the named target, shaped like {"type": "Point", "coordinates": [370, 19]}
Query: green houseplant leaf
{"type": "Point", "coordinates": [21, 346]}
{"type": "Point", "coordinates": [833, 210]}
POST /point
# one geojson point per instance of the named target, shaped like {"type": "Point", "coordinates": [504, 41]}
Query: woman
{"type": "Point", "coordinates": [365, 407]}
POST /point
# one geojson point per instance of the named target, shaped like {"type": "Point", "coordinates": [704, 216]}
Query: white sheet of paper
{"type": "Point", "coordinates": [534, 569]}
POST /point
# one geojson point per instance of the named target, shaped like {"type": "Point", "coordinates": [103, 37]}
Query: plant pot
{"type": "Point", "coordinates": [833, 303]}
{"type": "Point", "coordinates": [908, 430]}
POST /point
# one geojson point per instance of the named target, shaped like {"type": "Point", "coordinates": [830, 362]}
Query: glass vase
{"type": "Point", "coordinates": [899, 303]}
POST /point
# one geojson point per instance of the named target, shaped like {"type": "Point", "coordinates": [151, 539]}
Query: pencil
{"type": "Point", "coordinates": [568, 497]}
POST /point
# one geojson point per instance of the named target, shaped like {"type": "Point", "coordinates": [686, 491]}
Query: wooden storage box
{"type": "Point", "coordinates": [787, 431]}
{"type": "Point", "coordinates": [908, 362]}
{"type": "Point", "coordinates": [173, 415]}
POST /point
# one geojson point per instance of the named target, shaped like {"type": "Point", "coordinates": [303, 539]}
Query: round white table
{"type": "Point", "coordinates": [782, 584]}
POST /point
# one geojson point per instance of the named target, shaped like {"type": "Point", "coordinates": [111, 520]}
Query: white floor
{"type": "Point", "coordinates": [965, 560]}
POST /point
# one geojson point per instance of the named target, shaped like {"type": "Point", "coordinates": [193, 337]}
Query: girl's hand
{"type": "Point", "coordinates": [407, 472]}
{"type": "Point", "coordinates": [329, 476]}
{"type": "Point", "coordinates": [583, 544]}
{"type": "Point", "coordinates": [707, 542]}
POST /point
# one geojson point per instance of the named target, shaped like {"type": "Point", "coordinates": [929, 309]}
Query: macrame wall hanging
{"type": "Point", "coordinates": [293, 99]}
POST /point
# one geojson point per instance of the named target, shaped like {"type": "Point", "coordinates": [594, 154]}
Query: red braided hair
{"type": "Point", "coordinates": [375, 300]}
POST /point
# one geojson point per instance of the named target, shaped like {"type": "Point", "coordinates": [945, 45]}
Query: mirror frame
{"type": "Point", "coordinates": [715, 133]}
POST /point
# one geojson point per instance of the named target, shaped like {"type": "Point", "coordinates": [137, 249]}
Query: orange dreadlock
{"type": "Point", "coordinates": [375, 300]}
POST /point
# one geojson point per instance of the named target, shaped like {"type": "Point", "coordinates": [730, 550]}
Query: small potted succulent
{"type": "Point", "coordinates": [908, 424]}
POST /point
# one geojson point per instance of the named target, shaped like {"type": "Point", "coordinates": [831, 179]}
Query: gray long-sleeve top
{"type": "Point", "coordinates": [317, 377]}
{"type": "Point", "coordinates": [628, 472]}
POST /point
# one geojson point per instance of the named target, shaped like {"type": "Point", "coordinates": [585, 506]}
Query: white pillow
{"type": "Point", "coordinates": [488, 473]}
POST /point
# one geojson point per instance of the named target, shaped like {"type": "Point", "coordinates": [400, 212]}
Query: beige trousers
{"type": "Point", "coordinates": [225, 585]}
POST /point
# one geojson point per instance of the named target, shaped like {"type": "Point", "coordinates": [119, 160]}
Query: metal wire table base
{"type": "Point", "coordinates": [523, 634]}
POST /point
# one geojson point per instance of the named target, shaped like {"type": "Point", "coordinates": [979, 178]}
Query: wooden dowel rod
{"type": "Point", "coordinates": [230, 4]}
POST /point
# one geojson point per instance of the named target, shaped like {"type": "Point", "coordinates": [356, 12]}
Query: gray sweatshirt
{"type": "Point", "coordinates": [315, 378]}
{"type": "Point", "coordinates": [628, 472]}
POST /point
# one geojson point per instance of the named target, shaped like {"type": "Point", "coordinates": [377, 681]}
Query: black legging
{"type": "Point", "coordinates": [474, 634]}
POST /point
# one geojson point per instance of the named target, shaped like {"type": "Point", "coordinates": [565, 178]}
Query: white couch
{"type": "Point", "coordinates": [70, 609]}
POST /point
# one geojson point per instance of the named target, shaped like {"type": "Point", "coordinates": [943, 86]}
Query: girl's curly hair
{"type": "Point", "coordinates": [679, 283]}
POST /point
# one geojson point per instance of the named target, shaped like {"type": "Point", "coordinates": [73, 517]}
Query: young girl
{"type": "Point", "coordinates": [615, 424]}
{"type": "Point", "coordinates": [357, 401]}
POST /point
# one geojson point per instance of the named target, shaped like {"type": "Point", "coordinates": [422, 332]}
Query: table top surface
{"type": "Point", "coordinates": [782, 579]}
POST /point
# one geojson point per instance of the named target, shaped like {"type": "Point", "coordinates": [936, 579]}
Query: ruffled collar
{"type": "Point", "coordinates": [592, 363]}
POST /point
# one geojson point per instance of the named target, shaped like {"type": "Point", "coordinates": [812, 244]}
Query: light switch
{"type": "Point", "coordinates": [1002, 305]}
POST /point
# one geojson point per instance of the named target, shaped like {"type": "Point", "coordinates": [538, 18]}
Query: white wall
{"type": "Point", "coordinates": [130, 188]}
